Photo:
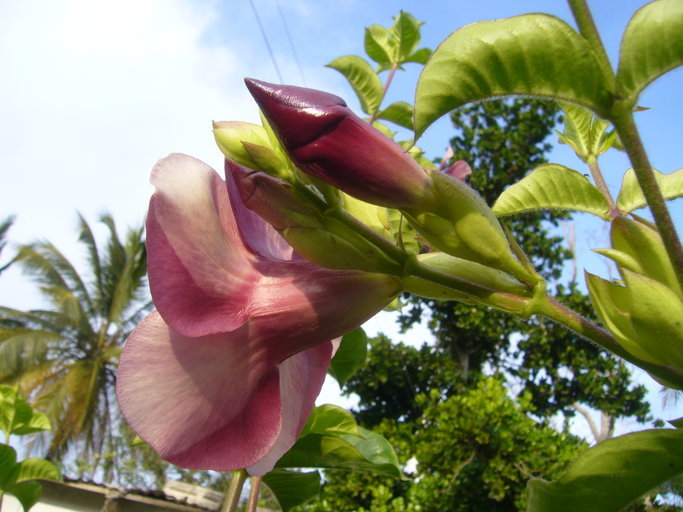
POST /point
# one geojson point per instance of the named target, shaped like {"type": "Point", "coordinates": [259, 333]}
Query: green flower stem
{"type": "Point", "coordinates": [232, 497]}
{"type": "Point", "coordinates": [584, 20]}
{"type": "Point", "coordinates": [599, 180]}
{"type": "Point", "coordinates": [551, 308]}
{"type": "Point", "coordinates": [630, 138]}
{"type": "Point", "coordinates": [252, 504]}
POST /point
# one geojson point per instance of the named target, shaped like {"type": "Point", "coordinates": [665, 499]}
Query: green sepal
{"type": "Point", "coordinates": [645, 247]}
{"type": "Point", "coordinates": [612, 474]}
{"type": "Point", "coordinates": [465, 227]}
{"type": "Point", "coordinates": [467, 270]}
{"type": "Point", "coordinates": [373, 216]}
{"type": "Point", "coordinates": [652, 45]}
{"type": "Point", "coordinates": [552, 186]}
{"type": "Point", "coordinates": [404, 234]}
{"type": "Point", "coordinates": [644, 316]}
{"type": "Point", "coordinates": [363, 79]}
{"type": "Point", "coordinates": [532, 54]}
{"type": "Point", "coordinates": [230, 136]}
{"type": "Point", "coordinates": [631, 196]}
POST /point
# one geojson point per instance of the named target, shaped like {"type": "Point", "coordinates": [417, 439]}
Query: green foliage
{"type": "Point", "coordinates": [588, 135]}
{"type": "Point", "coordinates": [552, 186]}
{"type": "Point", "coordinates": [390, 48]}
{"type": "Point", "coordinates": [64, 357]}
{"type": "Point", "coordinates": [612, 474]}
{"type": "Point", "coordinates": [532, 54]}
{"type": "Point", "coordinates": [17, 478]}
{"type": "Point", "coordinates": [350, 357]}
{"type": "Point", "coordinates": [331, 439]}
{"type": "Point", "coordinates": [631, 196]}
{"type": "Point", "coordinates": [652, 45]}
{"type": "Point", "coordinates": [365, 82]}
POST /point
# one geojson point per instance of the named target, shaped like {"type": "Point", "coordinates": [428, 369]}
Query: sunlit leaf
{"type": "Point", "coordinates": [552, 186]}
{"type": "Point", "coordinates": [533, 54]}
{"type": "Point", "coordinates": [350, 357]}
{"type": "Point", "coordinates": [365, 82]}
{"type": "Point", "coordinates": [406, 30]}
{"type": "Point", "coordinates": [377, 45]}
{"type": "Point", "coordinates": [651, 46]}
{"type": "Point", "coordinates": [420, 56]}
{"type": "Point", "coordinates": [631, 196]}
{"type": "Point", "coordinates": [400, 113]}
{"type": "Point", "coordinates": [292, 488]}
{"type": "Point", "coordinates": [612, 474]}
{"type": "Point", "coordinates": [33, 469]}
{"type": "Point", "coordinates": [331, 420]}
{"type": "Point", "coordinates": [585, 133]}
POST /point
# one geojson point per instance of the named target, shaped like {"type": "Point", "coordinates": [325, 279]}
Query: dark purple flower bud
{"type": "Point", "coordinates": [327, 140]}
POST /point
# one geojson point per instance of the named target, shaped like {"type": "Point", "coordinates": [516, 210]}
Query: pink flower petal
{"type": "Point", "coordinates": [196, 255]}
{"type": "Point", "coordinates": [301, 378]}
{"type": "Point", "coordinates": [213, 403]}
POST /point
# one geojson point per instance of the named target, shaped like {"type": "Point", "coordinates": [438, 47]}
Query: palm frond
{"type": "Point", "coordinates": [4, 228]}
{"type": "Point", "coordinates": [22, 349]}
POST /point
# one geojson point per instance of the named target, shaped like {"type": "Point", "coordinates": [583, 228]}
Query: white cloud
{"type": "Point", "coordinates": [93, 93]}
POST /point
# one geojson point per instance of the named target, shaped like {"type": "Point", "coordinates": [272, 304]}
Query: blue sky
{"type": "Point", "coordinates": [92, 93]}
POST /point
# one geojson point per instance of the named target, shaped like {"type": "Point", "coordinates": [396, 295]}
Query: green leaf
{"type": "Point", "coordinates": [17, 416]}
{"type": "Point", "coordinates": [552, 186]}
{"type": "Point", "coordinates": [330, 420]}
{"type": "Point", "coordinates": [533, 54]}
{"type": "Point", "coordinates": [421, 56]}
{"type": "Point", "coordinates": [377, 45]}
{"type": "Point", "coordinates": [322, 447]}
{"type": "Point", "coordinates": [631, 196]}
{"type": "Point", "coordinates": [28, 494]}
{"type": "Point", "coordinates": [585, 133]}
{"type": "Point", "coordinates": [651, 46]}
{"type": "Point", "coordinates": [678, 423]}
{"type": "Point", "coordinates": [406, 31]}
{"type": "Point", "coordinates": [292, 488]}
{"type": "Point", "coordinates": [33, 469]}
{"type": "Point", "coordinates": [8, 460]}
{"type": "Point", "coordinates": [612, 474]}
{"type": "Point", "coordinates": [400, 113]}
{"type": "Point", "coordinates": [350, 356]}
{"type": "Point", "coordinates": [365, 82]}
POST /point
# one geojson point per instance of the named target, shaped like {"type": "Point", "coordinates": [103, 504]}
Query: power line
{"type": "Point", "coordinates": [265, 39]}
{"type": "Point", "coordinates": [291, 43]}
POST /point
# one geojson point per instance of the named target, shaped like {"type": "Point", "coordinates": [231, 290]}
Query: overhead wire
{"type": "Point", "coordinates": [291, 42]}
{"type": "Point", "coordinates": [265, 39]}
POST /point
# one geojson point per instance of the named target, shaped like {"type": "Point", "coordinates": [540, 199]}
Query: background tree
{"type": "Point", "coordinates": [64, 357]}
{"type": "Point", "coordinates": [4, 228]}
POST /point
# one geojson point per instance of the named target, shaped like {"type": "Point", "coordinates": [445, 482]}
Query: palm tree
{"type": "Point", "coordinates": [64, 357]}
{"type": "Point", "coordinates": [4, 228]}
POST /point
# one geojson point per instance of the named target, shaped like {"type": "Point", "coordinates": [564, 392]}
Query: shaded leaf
{"type": "Point", "coordinates": [292, 488]}
{"type": "Point", "coordinates": [350, 357]}
{"type": "Point", "coordinates": [533, 54]}
{"type": "Point", "coordinates": [28, 493]}
{"type": "Point", "coordinates": [327, 448]}
{"type": "Point", "coordinates": [610, 475]}
{"type": "Point", "coordinates": [8, 460]}
{"type": "Point", "coordinates": [365, 82]}
{"type": "Point", "coordinates": [651, 46]}
{"type": "Point", "coordinates": [631, 196]}
{"type": "Point", "coordinates": [400, 113]}
{"type": "Point", "coordinates": [552, 186]}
